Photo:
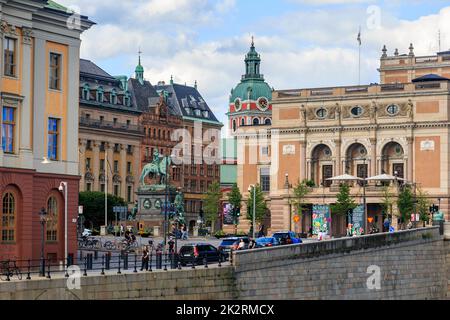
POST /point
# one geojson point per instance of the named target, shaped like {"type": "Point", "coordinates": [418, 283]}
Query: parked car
{"type": "Point", "coordinates": [197, 252]}
{"type": "Point", "coordinates": [287, 237]}
{"type": "Point", "coordinates": [267, 242]}
{"type": "Point", "coordinates": [232, 243]}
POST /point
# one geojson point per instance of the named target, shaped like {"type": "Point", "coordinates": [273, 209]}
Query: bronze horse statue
{"type": "Point", "coordinates": [158, 167]}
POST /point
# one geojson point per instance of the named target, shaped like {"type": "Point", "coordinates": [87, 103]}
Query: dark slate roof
{"type": "Point", "coordinates": [89, 68]}
{"type": "Point", "coordinates": [184, 98]}
{"type": "Point", "coordinates": [144, 95]}
{"type": "Point", "coordinates": [444, 52]}
{"type": "Point", "coordinates": [430, 77]}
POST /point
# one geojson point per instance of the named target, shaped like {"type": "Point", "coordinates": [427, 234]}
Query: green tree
{"type": "Point", "coordinates": [301, 190]}
{"type": "Point", "coordinates": [211, 204]}
{"type": "Point", "coordinates": [260, 205]}
{"type": "Point", "coordinates": [423, 205]}
{"type": "Point", "coordinates": [387, 202]}
{"type": "Point", "coordinates": [235, 199]}
{"type": "Point", "coordinates": [344, 202]}
{"type": "Point", "coordinates": [405, 204]}
{"type": "Point", "coordinates": [94, 206]}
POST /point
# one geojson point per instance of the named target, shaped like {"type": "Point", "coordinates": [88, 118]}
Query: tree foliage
{"type": "Point", "coordinates": [94, 206]}
{"type": "Point", "coordinates": [212, 202]}
{"type": "Point", "coordinates": [387, 201]}
{"type": "Point", "coordinates": [344, 202]}
{"type": "Point", "coordinates": [301, 190]}
{"type": "Point", "coordinates": [405, 204]}
{"type": "Point", "coordinates": [423, 205]}
{"type": "Point", "coordinates": [260, 204]}
{"type": "Point", "coordinates": [235, 197]}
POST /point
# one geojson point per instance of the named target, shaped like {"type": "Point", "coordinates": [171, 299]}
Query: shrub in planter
{"type": "Point", "coordinates": [220, 234]}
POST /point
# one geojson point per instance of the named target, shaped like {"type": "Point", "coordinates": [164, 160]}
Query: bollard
{"type": "Point", "coordinates": [158, 260]}
{"type": "Point", "coordinates": [7, 273]}
{"type": "Point", "coordinates": [81, 255]}
{"type": "Point", "coordinates": [70, 260]}
{"type": "Point", "coordinates": [220, 260]}
{"type": "Point", "coordinates": [179, 263]}
{"type": "Point", "coordinates": [165, 262]}
{"type": "Point", "coordinates": [85, 267]}
{"type": "Point", "coordinates": [205, 261]}
{"type": "Point", "coordinates": [66, 273]}
{"type": "Point", "coordinates": [135, 262]}
{"type": "Point", "coordinates": [89, 261]}
{"type": "Point", "coordinates": [95, 255]}
{"type": "Point", "coordinates": [29, 270]}
{"type": "Point", "coordinates": [48, 270]}
{"type": "Point", "coordinates": [125, 261]}
{"type": "Point", "coordinates": [103, 266]}
{"type": "Point", "coordinates": [118, 272]}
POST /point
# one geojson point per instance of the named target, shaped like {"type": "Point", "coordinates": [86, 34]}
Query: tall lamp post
{"type": "Point", "coordinates": [63, 188]}
{"type": "Point", "coordinates": [252, 186]}
{"type": "Point", "coordinates": [43, 220]}
{"type": "Point", "coordinates": [364, 197]}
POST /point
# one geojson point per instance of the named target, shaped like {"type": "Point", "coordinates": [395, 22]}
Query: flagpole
{"type": "Point", "coordinates": [359, 57]}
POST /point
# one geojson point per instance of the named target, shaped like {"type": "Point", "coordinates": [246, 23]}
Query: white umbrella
{"type": "Point", "coordinates": [384, 177]}
{"type": "Point", "coordinates": [345, 177]}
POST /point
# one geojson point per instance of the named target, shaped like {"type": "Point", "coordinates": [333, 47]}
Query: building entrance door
{"type": "Point", "coordinates": [400, 170]}
{"type": "Point", "coordinates": [327, 172]}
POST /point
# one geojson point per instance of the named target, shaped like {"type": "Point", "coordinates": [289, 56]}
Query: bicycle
{"type": "Point", "coordinates": [7, 272]}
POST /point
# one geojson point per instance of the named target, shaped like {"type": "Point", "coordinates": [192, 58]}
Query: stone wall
{"type": "Point", "coordinates": [412, 265]}
{"type": "Point", "coordinates": [211, 283]}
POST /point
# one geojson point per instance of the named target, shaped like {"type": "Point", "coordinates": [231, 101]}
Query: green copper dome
{"type": "Point", "coordinates": [252, 84]}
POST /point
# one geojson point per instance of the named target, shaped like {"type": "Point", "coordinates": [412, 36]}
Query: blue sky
{"type": "Point", "coordinates": [303, 43]}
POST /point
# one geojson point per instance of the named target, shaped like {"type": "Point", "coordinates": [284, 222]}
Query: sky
{"type": "Point", "coordinates": [302, 43]}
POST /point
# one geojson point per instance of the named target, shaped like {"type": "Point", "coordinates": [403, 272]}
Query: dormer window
{"type": "Point", "coordinates": [198, 113]}
{"type": "Point", "coordinates": [85, 92]}
{"type": "Point", "coordinates": [113, 98]}
{"type": "Point", "coordinates": [205, 114]}
{"type": "Point", "coordinates": [100, 94]}
{"type": "Point", "coordinates": [127, 99]}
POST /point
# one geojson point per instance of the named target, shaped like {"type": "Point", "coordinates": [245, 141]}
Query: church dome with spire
{"type": "Point", "coordinates": [250, 100]}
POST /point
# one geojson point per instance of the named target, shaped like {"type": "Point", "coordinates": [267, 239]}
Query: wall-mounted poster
{"type": "Point", "coordinates": [228, 218]}
{"type": "Point", "coordinates": [321, 219]}
{"type": "Point", "coordinates": [358, 220]}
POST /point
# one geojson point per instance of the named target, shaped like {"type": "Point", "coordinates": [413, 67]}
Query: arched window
{"type": "Point", "coordinates": [234, 125]}
{"type": "Point", "coordinates": [256, 122]}
{"type": "Point", "coordinates": [243, 122]}
{"type": "Point", "coordinates": [85, 92]}
{"type": "Point", "coordinates": [52, 222]}
{"type": "Point", "coordinates": [267, 122]}
{"type": "Point", "coordinates": [100, 94]}
{"type": "Point", "coordinates": [113, 96]}
{"type": "Point", "coordinates": [8, 224]}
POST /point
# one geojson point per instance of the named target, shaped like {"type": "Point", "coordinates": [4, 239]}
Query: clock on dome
{"type": "Point", "coordinates": [263, 103]}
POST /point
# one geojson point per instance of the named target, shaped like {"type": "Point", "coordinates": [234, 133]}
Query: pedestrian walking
{"type": "Point", "coordinates": [386, 224]}
{"type": "Point", "coordinates": [145, 258]}
{"type": "Point", "coordinates": [261, 231]}
{"type": "Point", "coordinates": [171, 244]}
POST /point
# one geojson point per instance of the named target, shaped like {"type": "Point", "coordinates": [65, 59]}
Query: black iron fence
{"type": "Point", "coordinates": [102, 263]}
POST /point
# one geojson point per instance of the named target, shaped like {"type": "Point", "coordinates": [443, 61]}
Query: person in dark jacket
{"type": "Point", "coordinates": [145, 258]}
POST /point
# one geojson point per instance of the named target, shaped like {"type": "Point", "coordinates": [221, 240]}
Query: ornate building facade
{"type": "Point", "coordinates": [39, 119]}
{"type": "Point", "coordinates": [109, 129]}
{"type": "Point", "coordinates": [399, 128]}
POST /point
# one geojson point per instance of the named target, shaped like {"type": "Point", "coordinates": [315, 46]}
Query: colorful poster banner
{"type": "Point", "coordinates": [321, 219]}
{"type": "Point", "coordinates": [228, 218]}
{"type": "Point", "coordinates": [358, 220]}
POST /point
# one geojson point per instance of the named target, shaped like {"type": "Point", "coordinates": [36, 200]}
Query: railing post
{"type": "Point", "coordinates": [29, 270]}
{"type": "Point", "coordinates": [165, 261]}
{"type": "Point", "coordinates": [65, 268]}
{"type": "Point", "coordinates": [118, 272]}
{"type": "Point", "coordinates": [135, 262]}
{"type": "Point", "coordinates": [85, 267]}
{"type": "Point", "coordinates": [103, 266]}
{"type": "Point", "coordinates": [7, 273]}
{"type": "Point", "coordinates": [150, 262]}
{"type": "Point", "coordinates": [178, 262]}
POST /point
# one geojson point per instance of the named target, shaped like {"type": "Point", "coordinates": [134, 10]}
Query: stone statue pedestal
{"type": "Point", "coordinates": [150, 205]}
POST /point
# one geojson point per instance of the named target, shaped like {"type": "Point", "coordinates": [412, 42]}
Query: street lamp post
{"type": "Point", "coordinates": [364, 198]}
{"type": "Point", "coordinates": [254, 208]}
{"type": "Point", "coordinates": [43, 220]}
{"type": "Point", "coordinates": [63, 187]}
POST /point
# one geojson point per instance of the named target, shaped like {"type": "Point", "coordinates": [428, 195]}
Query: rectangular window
{"type": "Point", "coordinates": [193, 185]}
{"type": "Point", "coordinates": [116, 190]}
{"type": "Point", "coordinates": [102, 146]}
{"type": "Point", "coordinates": [129, 194]}
{"type": "Point", "coordinates": [8, 125]}
{"type": "Point", "coordinates": [102, 164]}
{"type": "Point", "coordinates": [116, 166]}
{"type": "Point", "coordinates": [129, 149]}
{"type": "Point", "coordinates": [129, 171]}
{"type": "Point", "coordinates": [202, 186]}
{"type": "Point", "coordinates": [116, 147]}
{"type": "Point", "coordinates": [265, 179]}
{"type": "Point", "coordinates": [89, 145]}
{"type": "Point", "coordinates": [265, 151]}
{"type": "Point", "coordinates": [210, 171]}
{"type": "Point", "coordinates": [53, 136]}
{"type": "Point", "coordinates": [9, 47]}
{"type": "Point", "coordinates": [55, 71]}
{"type": "Point", "coordinates": [89, 187]}
{"type": "Point", "coordinates": [102, 187]}
{"type": "Point", "coordinates": [88, 164]}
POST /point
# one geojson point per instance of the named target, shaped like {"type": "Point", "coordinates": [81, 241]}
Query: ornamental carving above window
{"type": "Point", "coordinates": [117, 178]}
{"type": "Point", "coordinates": [130, 179]}
{"type": "Point", "coordinates": [89, 177]}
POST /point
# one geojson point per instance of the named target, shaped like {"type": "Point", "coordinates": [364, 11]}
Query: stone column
{"type": "Point", "coordinates": [373, 158]}
{"type": "Point", "coordinates": [303, 160]}
{"type": "Point", "coordinates": [25, 147]}
{"type": "Point", "coordinates": [410, 164]}
{"type": "Point", "coordinates": [123, 171]}
{"type": "Point", "coordinates": [96, 165]}
{"type": "Point", "coordinates": [82, 164]}
{"type": "Point", "coordinates": [337, 152]}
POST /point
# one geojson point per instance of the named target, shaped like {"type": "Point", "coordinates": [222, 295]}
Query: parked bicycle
{"type": "Point", "coordinates": [89, 243]}
{"type": "Point", "coordinates": [9, 269]}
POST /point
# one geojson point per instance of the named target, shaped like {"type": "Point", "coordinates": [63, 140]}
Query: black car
{"type": "Point", "coordinates": [197, 252]}
{"type": "Point", "coordinates": [232, 243]}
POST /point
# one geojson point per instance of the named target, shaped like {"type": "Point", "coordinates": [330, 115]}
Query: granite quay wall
{"type": "Point", "coordinates": [413, 264]}
{"type": "Point", "coordinates": [403, 265]}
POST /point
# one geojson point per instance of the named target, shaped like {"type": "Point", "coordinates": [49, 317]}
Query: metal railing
{"type": "Point", "coordinates": [95, 263]}
{"type": "Point", "coordinates": [110, 125]}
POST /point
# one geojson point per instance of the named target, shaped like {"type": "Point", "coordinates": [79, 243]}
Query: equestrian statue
{"type": "Point", "coordinates": [158, 167]}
